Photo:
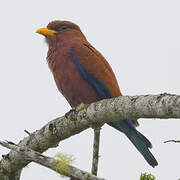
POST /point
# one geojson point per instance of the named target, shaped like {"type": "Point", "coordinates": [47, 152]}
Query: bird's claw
{"type": "Point", "coordinates": [69, 112]}
{"type": "Point", "coordinates": [80, 107]}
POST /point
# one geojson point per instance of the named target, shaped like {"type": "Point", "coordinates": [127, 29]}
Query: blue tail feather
{"type": "Point", "coordinates": [141, 143]}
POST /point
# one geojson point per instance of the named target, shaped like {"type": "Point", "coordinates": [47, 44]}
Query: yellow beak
{"type": "Point", "coordinates": [45, 31]}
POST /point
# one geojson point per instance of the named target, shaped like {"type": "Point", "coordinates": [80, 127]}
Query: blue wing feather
{"type": "Point", "coordinates": [99, 86]}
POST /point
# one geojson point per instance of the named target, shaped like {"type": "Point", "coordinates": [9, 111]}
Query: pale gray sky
{"type": "Point", "coordinates": [141, 41]}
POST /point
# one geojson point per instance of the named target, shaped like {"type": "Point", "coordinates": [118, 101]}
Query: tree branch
{"type": "Point", "coordinates": [60, 166]}
{"type": "Point", "coordinates": [133, 107]}
{"type": "Point", "coordinates": [95, 150]}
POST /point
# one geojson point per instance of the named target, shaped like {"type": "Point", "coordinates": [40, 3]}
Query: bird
{"type": "Point", "coordinates": [83, 75]}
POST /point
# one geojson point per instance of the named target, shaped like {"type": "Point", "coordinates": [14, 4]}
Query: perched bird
{"type": "Point", "coordinates": [83, 75]}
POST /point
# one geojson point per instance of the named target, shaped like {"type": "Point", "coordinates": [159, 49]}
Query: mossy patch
{"type": "Point", "coordinates": [145, 176]}
{"type": "Point", "coordinates": [87, 176]}
{"type": "Point", "coordinates": [62, 163]}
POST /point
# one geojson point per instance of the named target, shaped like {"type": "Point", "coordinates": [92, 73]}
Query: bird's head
{"type": "Point", "coordinates": [61, 30]}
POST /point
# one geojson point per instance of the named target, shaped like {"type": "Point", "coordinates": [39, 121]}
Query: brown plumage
{"type": "Point", "coordinates": [83, 75]}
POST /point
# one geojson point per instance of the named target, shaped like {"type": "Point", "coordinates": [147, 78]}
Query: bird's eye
{"type": "Point", "coordinates": [63, 27]}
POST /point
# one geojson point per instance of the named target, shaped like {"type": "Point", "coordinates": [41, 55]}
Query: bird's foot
{"type": "Point", "coordinates": [69, 112]}
{"type": "Point", "coordinates": [80, 107]}
{"type": "Point", "coordinates": [80, 110]}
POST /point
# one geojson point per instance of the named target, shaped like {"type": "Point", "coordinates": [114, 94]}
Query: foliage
{"type": "Point", "coordinates": [145, 176]}
{"type": "Point", "coordinates": [62, 163]}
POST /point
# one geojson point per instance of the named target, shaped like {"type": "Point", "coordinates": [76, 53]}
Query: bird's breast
{"type": "Point", "coordinates": [69, 80]}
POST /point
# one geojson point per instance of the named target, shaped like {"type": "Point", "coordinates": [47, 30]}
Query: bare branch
{"type": "Point", "coordinates": [175, 141]}
{"type": "Point", "coordinates": [95, 151]}
{"type": "Point", "coordinates": [133, 107]}
{"type": "Point", "coordinates": [27, 132]}
{"type": "Point", "coordinates": [49, 162]}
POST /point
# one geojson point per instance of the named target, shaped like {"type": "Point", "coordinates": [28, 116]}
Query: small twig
{"type": "Point", "coordinates": [27, 132]}
{"type": "Point", "coordinates": [175, 141]}
{"type": "Point", "coordinates": [48, 162]}
{"type": "Point", "coordinates": [95, 151]}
